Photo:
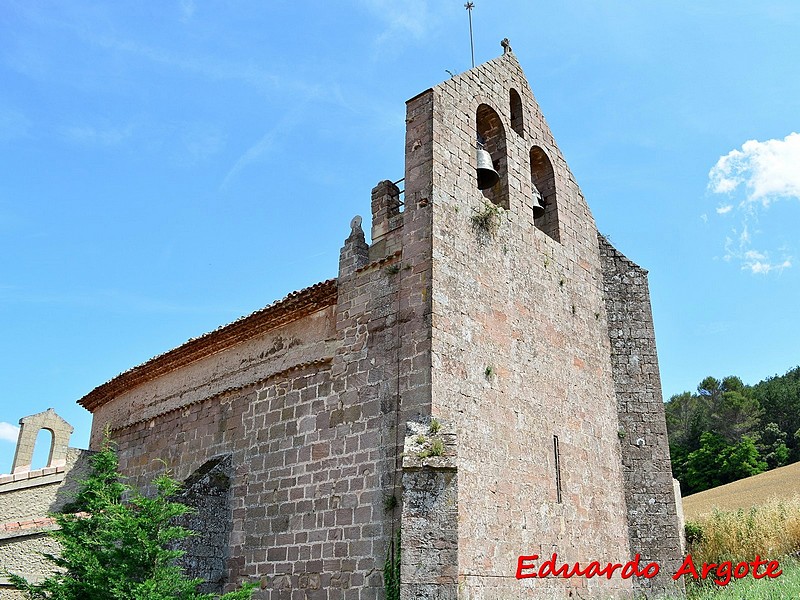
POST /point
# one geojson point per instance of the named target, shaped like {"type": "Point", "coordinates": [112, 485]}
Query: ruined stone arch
{"type": "Point", "coordinates": [491, 132]}
{"type": "Point", "coordinates": [543, 178]}
{"type": "Point", "coordinates": [29, 428]}
{"type": "Point", "coordinates": [208, 492]}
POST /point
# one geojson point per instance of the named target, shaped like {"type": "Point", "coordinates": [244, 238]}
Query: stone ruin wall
{"type": "Point", "coordinates": [28, 498]}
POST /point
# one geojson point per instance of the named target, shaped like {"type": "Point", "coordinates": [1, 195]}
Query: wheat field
{"type": "Point", "coordinates": [781, 483]}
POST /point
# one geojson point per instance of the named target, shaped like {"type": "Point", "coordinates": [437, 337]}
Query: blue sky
{"type": "Point", "coordinates": [166, 167]}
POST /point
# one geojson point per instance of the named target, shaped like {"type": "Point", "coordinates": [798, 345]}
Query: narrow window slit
{"type": "Point", "coordinates": [557, 456]}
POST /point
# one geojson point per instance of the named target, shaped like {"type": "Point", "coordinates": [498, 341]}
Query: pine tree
{"type": "Point", "coordinates": [117, 544]}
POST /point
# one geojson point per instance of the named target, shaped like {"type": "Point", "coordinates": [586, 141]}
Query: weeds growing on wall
{"type": "Point", "coordinates": [486, 222]}
{"type": "Point", "coordinates": [391, 570]}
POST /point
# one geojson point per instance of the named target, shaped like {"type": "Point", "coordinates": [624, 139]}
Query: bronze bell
{"type": "Point", "coordinates": [538, 205]}
{"type": "Point", "coordinates": [487, 176]}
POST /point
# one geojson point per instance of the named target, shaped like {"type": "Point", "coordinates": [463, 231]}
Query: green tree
{"type": "Point", "coordinates": [780, 397]}
{"type": "Point", "coordinates": [732, 410]}
{"type": "Point", "coordinates": [701, 466]}
{"type": "Point", "coordinates": [683, 420]}
{"type": "Point", "coordinates": [117, 544]}
{"type": "Point", "coordinates": [772, 446]}
{"type": "Point", "coordinates": [717, 462]}
{"type": "Point", "coordinates": [678, 457]}
{"type": "Point", "coordinates": [763, 419]}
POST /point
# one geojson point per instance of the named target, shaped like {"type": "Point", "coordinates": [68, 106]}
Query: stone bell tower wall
{"type": "Point", "coordinates": [654, 527]}
{"type": "Point", "coordinates": [520, 347]}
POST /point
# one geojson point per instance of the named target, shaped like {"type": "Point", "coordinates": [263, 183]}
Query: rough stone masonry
{"type": "Point", "coordinates": [479, 379]}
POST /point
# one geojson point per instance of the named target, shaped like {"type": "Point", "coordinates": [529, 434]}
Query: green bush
{"type": "Point", "coordinates": [117, 544]}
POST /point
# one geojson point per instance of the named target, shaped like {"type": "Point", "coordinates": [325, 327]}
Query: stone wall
{"type": "Point", "coordinates": [274, 513]}
{"type": "Point", "coordinates": [26, 500]}
{"type": "Point", "coordinates": [654, 525]}
{"type": "Point", "coordinates": [208, 493]}
{"type": "Point", "coordinates": [23, 554]}
{"type": "Point", "coordinates": [314, 448]}
{"type": "Point", "coordinates": [429, 565]}
{"type": "Point", "coordinates": [206, 372]}
{"type": "Point", "coordinates": [521, 354]}
{"type": "Point", "coordinates": [29, 428]}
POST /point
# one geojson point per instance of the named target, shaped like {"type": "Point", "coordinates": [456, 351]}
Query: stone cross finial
{"type": "Point", "coordinates": [506, 46]}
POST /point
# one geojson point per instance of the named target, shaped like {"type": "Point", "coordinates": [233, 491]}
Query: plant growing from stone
{"type": "Point", "coordinates": [486, 222]}
{"type": "Point", "coordinates": [391, 570]}
{"type": "Point", "coordinates": [117, 544]}
{"type": "Point", "coordinates": [390, 502]}
{"type": "Point", "coordinates": [435, 448]}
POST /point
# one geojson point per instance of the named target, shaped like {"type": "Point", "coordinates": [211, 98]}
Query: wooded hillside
{"type": "Point", "coordinates": [727, 430]}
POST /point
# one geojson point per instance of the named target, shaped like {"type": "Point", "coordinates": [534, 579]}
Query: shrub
{"type": "Point", "coordinates": [117, 544]}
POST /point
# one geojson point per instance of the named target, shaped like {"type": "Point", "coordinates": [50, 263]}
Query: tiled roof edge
{"type": "Point", "coordinates": [294, 306]}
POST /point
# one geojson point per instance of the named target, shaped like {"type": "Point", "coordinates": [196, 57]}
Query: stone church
{"type": "Point", "coordinates": [478, 383]}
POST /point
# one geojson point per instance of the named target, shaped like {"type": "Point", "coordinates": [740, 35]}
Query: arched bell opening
{"type": "Point", "coordinates": [543, 187]}
{"type": "Point", "coordinates": [53, 442]}
{"type": "Point", "coordinates": [491, 139]}
{"type": "Point", "coordinates": [517, 121]}
{"type": "Point", "coordinates": [43, 449]}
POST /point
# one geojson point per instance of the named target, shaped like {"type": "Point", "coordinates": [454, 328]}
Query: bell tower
{"type": "Point", "coordinates": [510, 292]}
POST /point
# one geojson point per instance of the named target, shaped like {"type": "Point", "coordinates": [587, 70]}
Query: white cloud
{"type": "Point", "coordinates": [253, 154]}
{"type": "Point", "coordinates": [757, 262]}
{"type": "Point", "coordinates": [764, 171]}
{"type": "Point", "coordinates": [214, 69]}
{"type": "Point", "coordinates": [401, 23]}
{"type": "Point", "coordinates": [758, 267]}
{"type": "Point", "coordinates": [258, 151]}
{"type": "Point", "coordinates": [8, 432]}
{"type": "Point", "coordinates": [768, 170]}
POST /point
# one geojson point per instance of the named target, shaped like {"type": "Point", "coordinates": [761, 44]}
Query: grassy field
{"type": "Point", "coordinates": [770, 530]}
{"type": "Point", "coordinates": [778, 483]}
